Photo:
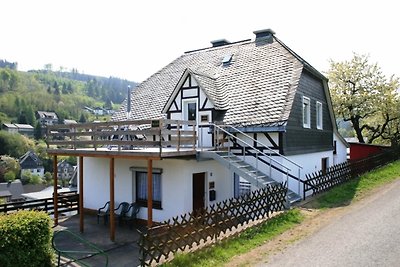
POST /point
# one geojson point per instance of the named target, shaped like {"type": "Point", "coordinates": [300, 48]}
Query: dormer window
{"type": "Point", "coordinates": [306, 112]}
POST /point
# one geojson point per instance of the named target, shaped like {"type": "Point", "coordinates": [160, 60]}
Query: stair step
{"type": "Point", "coordinates": [243, 166]}
{"type": "Point", "coordinates": [267, 182]}
{"type": "Point", "coordinates": [236, 161]}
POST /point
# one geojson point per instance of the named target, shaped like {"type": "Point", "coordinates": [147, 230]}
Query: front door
{"type": "Point", "coordinates": [198, 190]}
{"type": "Point", "coordinates": [324, 165]}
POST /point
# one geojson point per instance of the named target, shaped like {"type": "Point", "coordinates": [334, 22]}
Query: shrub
{"type": "Point", "coordinates": [30, 178]}
{"type": "Point", "coordinates": [25, 239]}
{"type": "Point", "coordinates": [9, 176]}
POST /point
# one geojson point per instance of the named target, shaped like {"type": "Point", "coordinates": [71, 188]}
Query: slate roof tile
{"type": "Point", "coordinates": [257, 87]}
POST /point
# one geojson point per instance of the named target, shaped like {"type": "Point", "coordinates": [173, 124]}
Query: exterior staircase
{"type": "Point", "coordinates": [247, 171]}
{"type": "Point", "coordinates": [238, 164]}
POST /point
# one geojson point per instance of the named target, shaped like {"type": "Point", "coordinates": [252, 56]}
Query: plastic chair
{"type": "Point", "coordinates": [131, 214]}
{"type": "Point", "coordinates": [103, 212]}
{"type": "Point", "coordinates": [122, 210]}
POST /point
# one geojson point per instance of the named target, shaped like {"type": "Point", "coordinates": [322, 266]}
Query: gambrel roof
{"type": "Point", "coordinates": [30, 161]}
{"type": "Point", "coordinates": [256, 86]}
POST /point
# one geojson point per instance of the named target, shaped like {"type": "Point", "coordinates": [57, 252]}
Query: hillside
{"type": "Point", "coordinates": [66, 93]}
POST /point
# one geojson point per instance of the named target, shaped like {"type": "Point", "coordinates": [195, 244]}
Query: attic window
{"type": "Point", "coordinates": [227, 59]}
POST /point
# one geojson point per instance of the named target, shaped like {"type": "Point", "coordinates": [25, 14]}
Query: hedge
{"type": "Point", "coordinates": [25, 239]}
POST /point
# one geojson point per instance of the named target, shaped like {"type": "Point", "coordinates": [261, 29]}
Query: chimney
{"type": "Point", "coordinates": [264, 36]}
{"type": "Point", "coordinates": [219, 42]}
{"type": "Point", "coordinates": [128, 104]}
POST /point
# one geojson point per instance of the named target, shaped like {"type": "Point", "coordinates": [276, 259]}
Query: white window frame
{"type": "Point", "coordinates": [157, 187]}
{"type": "Point", "coordinates": [306, 112]}
{"type": "Point", "coordinates": [319, 117]}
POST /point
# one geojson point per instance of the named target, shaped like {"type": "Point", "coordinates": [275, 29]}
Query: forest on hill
{"type": "Point", "coordinates": [65, 92]}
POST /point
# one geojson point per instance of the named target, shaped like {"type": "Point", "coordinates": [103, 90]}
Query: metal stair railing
{"type": "Point", "coordinates": [286, 170]}
{"type": "Point", "coordinates": [217, 128]}
{"type": "Point", "coordinates": [299, 167]}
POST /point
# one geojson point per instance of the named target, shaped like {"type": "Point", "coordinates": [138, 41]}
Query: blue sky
{"type": "Point", "coordinates": [134, 39]}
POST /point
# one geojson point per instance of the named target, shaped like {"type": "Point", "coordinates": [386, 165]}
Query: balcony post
{"type": "Point", "coordinates": [112, 203]}
{"type": "Point", "coordinates": [149, 193]}
{"type": "Point", "coordinates": [55, 193]}
{"type": "Point", "coordinates": [81, 215]}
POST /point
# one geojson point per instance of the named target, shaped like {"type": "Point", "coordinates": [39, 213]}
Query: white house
{"type": "Point", "coordinates": [30, 163]}
{"type": "Point", "coordinates": [212, 124]}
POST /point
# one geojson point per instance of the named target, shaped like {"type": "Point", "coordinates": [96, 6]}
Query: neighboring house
{"type": "Point", "coordinates": [261, 115]}
{"type": "Point", "coordinates": [11, 191]}
{"type": "Point", "coordinates": [45, 193]}
{"type": "Point", "coordinates": [47, 118]}
{"type": "Point", "coordinates": [69, 121]}
{"type": "Point", "coordinates": [24, 129]}
{"type": "Point", "coordinates": [73, 183]}
{"type": "Point", "coordinates": [31, 163]}
{"type": "Point", "coordinates": [99, 111]}
{"type": "Point", "coordinates": [10, 127]}
{"type": "Point", "coordinates": [65, 170]}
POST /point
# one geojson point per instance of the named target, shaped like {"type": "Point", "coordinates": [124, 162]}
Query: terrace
{"type": "Point", "coordinates": [138, 139]}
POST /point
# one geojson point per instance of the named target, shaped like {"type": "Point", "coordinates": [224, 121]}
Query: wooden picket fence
{"type": "Point", "coordinates": [320, 181]}
{"type": "Point", "coordinates": [199, 227]}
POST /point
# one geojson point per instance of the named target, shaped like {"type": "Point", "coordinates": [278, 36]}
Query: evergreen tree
{"type": "Point", "coordinates": [30, 115]}
{"type": "Point", "coordinates": [82, 119]}
{"type": "Point", "coordinates": [22, 118]}
{"type": "Point", "coordinates": [38, 131]}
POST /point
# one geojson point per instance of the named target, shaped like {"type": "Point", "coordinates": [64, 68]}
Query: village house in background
{"type": "Point", "coordinates": [66, 121]}
{"type": "Point", "coordinates": [46, 118]}
{"type": "Point", "coordinates": [11, 191]}
{"type": "Point", "coordinates": [30, 163]}
{"type": "Point", "coordinates": [65, 171]}
{"type": "Point", "coordinates": [99, 111]}
{"type": "Point", "coordinates": [213, 124]}
{"type": "Point", "coordinates": [24, 129]}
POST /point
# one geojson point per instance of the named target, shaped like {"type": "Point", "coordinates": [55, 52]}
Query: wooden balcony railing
{"type": "Point", "coordinates": [66, 202]}
{"type": "Point", "coordinates": [124, 135]}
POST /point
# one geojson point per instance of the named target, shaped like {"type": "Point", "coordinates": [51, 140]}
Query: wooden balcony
{"type": "Point", "coordinates": [138, 138]}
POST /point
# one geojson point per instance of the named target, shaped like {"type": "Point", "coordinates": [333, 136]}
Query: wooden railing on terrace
{"type": "Point", "coordinates": [66, 202]}
{"type": "Point", "coordinates": [124, 135]}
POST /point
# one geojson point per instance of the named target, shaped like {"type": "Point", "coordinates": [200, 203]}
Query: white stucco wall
{"type": "Point", "coordinates": [341, 150]}
{"type": "Point", "coordinates": [176, 183]}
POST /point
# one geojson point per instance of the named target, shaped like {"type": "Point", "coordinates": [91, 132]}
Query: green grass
{"type": "Point", "coordinates": [357, 188]}
{"type": "Point", "coordinates": [251, 238]}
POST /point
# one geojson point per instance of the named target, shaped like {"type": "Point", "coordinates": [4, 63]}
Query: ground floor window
{"type": "Point", "coordinates": [241, 186]}
{"type": "Point", "coordinates": [141, 189]}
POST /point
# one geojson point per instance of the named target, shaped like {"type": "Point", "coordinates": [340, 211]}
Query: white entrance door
{"type": "Point", "coordinates": [190, 113]}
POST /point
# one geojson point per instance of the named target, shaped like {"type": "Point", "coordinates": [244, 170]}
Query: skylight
{"type": "Point", "coordinates": [227, 59]}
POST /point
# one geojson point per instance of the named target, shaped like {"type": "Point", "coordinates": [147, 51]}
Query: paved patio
{"type": "Point", "coordinates": [123, 252]}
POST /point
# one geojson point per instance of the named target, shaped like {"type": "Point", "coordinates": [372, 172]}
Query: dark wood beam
{"type": "Point", "coordinates": [55, 191]}
{"type": "Point", "coordinates": [149, 193]}
{"type": "Point", "coordinates": [81, 215]}
{"type": "Point", "coordinates": [112, 201]}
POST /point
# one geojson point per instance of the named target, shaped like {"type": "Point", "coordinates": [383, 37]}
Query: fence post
{"type": "Point", "coordinates": [299, 181]}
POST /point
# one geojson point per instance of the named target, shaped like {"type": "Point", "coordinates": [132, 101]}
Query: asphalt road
{"type": "Point", "coordinates": [368, 235]}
